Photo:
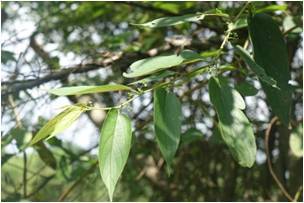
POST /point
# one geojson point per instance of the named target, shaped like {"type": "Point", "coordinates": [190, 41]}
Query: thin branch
{"type": "Point", "coordinates": [267, 135]}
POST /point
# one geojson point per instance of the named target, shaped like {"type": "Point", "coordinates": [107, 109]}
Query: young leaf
{"type": "Point", "coordinates": [270, 53]}
{"type": "Point", "coordinates": [114, 148]}
{"type": "Point", "coordinates": [78, 90]}
{"type": "Point", "coordinates": [191, 135]}
{"type": "Point", "coordinates": [59, 123]}
{"type": "Point", "coordinates": [167, 122]}
{"type": "Point", "coordinates": [158, 63]}
{"type": "Point", "coordinates": [258, 70]}
{"type": "Point", "coordinates": [296, 141]}
{"type": "Point", "coordinates": [170, 21]}
{"type": "Point", "coordinates": [234, 126]}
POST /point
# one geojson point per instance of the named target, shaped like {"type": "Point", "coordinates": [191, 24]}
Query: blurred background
{"type": "Point", "coordinates": [52, 44]}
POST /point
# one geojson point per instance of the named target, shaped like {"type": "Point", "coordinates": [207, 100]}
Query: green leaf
{"type": "Point", "coordinates": [79, 90]}
{"type": "Point", "coordinates": [59, 123]}
{"type": "Point", "coordinates": [167, 122]}
{"type": "Point", "coordinates": [191, 135]}
{"type": "Point", "coordinates": [170, 21]}
{"type": "Point", "coordinates": [7, 56]}
{"type": "Point", "coordinates": [296, 141]}
{"type": "Point", "coordinates": [246, 89]}
{"type": "Point", "coordinates": [46, 155]}
{"type": "Point", "coordinates": [258, 70]}
{"type": "Point", "coordinates": [154, 64]}
{"type": "Point", "coordinates": [270, 53]}
{"type": "Point", "coordinates": [272, 8]}
{"type": "Point", "coordinates": [156, 77]}
{"type": "Point", "coordinates": [234, 126]}
{"type": "Point", "coordinates": [114, 148]}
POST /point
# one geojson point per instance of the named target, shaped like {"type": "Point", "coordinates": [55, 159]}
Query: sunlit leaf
{"type": "Point", "coordinates": [59, 123]}
{"type": "Point", "coordinates": [270, 53]}
{"type": "Point", "coordinates": [234, 126]}
{"type": "Point", "coordinates": [296, 141]}
{"type": "Point", "coordinates": [79, 90]}
{"type": "Point", "coordinates": [114, 148]}
{"type": "Point", "coordinates": [154, 64]}
{"type": "Point", "coordinates": [272, 8]}
{"type": "Point", "coordinates": [258, 70]}
{"type": "Point", "coordinates": [167, 122]}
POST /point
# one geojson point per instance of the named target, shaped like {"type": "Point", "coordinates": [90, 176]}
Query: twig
{"type": "Point", "coordinates": [267, 135]}
{"type": "Point", "coordinates": [298, 193]}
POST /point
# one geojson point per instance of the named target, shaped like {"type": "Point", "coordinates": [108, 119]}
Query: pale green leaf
{"type": "Point", "coordinates": [234, 126]}
{"type": "Point", "coordinates": [272, 8]}
{"type": "Point", "coordinates": [59, 123]}
{"type": "Point", "coordinates": [167, 122]}
{"type": "Point", "coordinates": [79, 90]}
{"type": "Point", "coordinates": [154, 64]}
{"type": "Point", "coordinates": [258, 70]}
{"type": "Point", "coordinates": [114, 148]}
{"type": "Point", "coordinates": [296, 141]}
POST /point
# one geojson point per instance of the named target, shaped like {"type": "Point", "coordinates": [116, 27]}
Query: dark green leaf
{"type": "Point", "coordinates": [79, 90]}
{"type": "Point", "coordinates": [7, 56]}
{"type": "Point", "coordinates": [246, 89]}
{"type": "Point", "coordinates": [59, 123]}
{"type": "Point", "coordinates": [46, 155]}
{"type": "Point", "coordinates": [234, 126]}
{"type": "Point", "coordinates": [296, 141]}
{"type": "Point", "coordinates": [258, 70]}
{"type": "Point", "coordinates": [114, 148]}
{"type": "Point", "coordinates": [154, 64]}
{"type": "Point", "coordinates": [167, 122]}
{"type": "Point", "coordinates": [270, 53]}
{"type": "Point", "coordinates": [191, 135]}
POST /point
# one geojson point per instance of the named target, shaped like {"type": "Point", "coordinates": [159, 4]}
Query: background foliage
{"type": "Point", "coordinates": [52, 44]}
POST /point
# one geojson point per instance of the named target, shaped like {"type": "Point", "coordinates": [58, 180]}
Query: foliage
{"type": "Point", "coordinates": [190, 61]}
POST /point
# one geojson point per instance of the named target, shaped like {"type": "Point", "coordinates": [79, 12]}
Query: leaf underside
{"type": "Point", "coordinates": [114, 148]}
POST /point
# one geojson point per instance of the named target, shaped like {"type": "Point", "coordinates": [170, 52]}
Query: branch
{"type": "Point", "coordinates": [267, 135]}
{"type": "Point", "coordinates": [8, 88]}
